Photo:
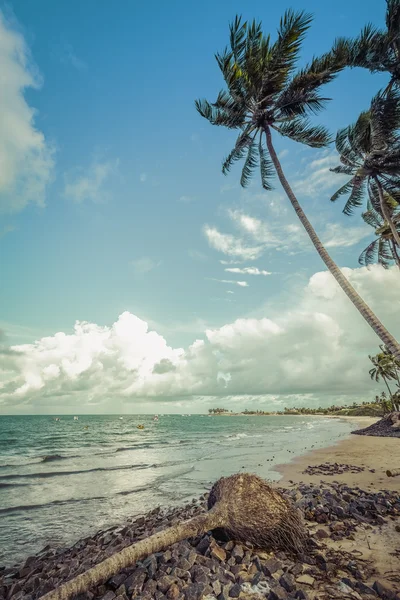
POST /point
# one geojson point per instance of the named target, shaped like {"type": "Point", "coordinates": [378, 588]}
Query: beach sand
{"type": "Point", "coordinates": [380, 544]}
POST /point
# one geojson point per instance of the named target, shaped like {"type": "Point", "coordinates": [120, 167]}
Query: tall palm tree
{"type": "Point", "coordinates": [385, 367]}
{"type": "Point", "coordinates": [383, 249]}
{"type": "Point", "coordinates": [370, 152]}
{"type": "Point", "coordinates": [379, 50]}
{"type": "Point", "coordinates": [265, 96]}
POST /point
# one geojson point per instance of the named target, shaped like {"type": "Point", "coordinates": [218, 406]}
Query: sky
{"type": "Point", "coordinates": [134, 276]}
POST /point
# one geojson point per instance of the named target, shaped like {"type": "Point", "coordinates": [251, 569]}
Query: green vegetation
{"type": "Point", "coordinates": [387, 368]}
{"type": "Point", "coordinates": [370, 409]}
{"type": "Point", "coordinates": [265, 96]}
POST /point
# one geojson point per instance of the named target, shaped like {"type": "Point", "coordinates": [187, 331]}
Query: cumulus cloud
{"type": "Point", "coordinates": [317, 177]}
{"type": "Point", "coordinates": [247, 271]}
{"type": "Point", "coordinates": [26, 157]}
{"type": "Point", "coordinates": [90, 185]}
{"type": "Point", "coordinates": [337, 236]}
{"type": "Point", "coordinates": [315, 349]}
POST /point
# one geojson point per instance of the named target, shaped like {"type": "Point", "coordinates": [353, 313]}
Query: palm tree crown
{"type": "Point", "coordinates": [370, 152]}
{"type": "Point", "coordinates": [383, 249]}
{"type": "Point", "coordinates": [379, 50]}
{"type": "Point", "coordinates": [262, 91]}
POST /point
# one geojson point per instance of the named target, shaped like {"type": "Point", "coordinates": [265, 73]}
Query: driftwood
{"type": "Point", "coordinates": [393, 472]}
{"type": "Point", "coordinates": [243, 507]}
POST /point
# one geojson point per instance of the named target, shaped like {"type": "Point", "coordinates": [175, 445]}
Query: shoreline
{"type": "Point", "coordinates": [372, 454]}
{"type": "Point", "coordinates": [353, 551]}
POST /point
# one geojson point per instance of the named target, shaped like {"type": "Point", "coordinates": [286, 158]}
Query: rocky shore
{"type": "Point", "coordinates": [389, 426]}
{"type": "Point", "coordinates": [210, 569]}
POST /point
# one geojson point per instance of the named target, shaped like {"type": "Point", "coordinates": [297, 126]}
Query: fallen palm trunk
{"type": "Point", "coordinates": [244, 507]}
{"type": "Point", "coordinates": [393, 472]}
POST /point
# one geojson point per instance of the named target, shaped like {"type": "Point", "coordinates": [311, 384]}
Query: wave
{"type": "Point", "coordinates": [46, 474]}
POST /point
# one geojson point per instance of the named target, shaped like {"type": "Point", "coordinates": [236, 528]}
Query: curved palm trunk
{"type": "Point", "coordinates": [346, 286]}
{"type": "Point", "coordinates": [386, 214]}
{"type": "Point", "coordinates": [395, 253]}
{"type": "Point", "coordinates": [130, 555]}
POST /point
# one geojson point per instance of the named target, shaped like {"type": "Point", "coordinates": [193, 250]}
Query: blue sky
{"type": "Point", "coordinates": [113, 210]}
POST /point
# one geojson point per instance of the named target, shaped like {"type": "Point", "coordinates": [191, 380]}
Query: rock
{"type": "Point", "coordinates": [277, 593]}
{"type": "Point", "coordinates": [288, 582]}
{"type": "Point", "coordinates": [199, 575]}
{"type": "Point", "coordinates": [149, 588]}
{"type": "Point", "coordinates": [180, 573]}
{"type": "Point", "coordinates": [235, 590]}
{"type": "Point", "coordinates": [365, 589]}
{"type": "Point", "coordinates": [108, 596]}
{"type": "Point", "coordinates": [218, 553]}
{"type": "Point", "coordinates": [134, 583]}
{"type": "Point", "coordinates": [238, 553]}
{"type": "Point", "coordinates": [271, 566]}
{"type": "Point", "coordinates": [217, 587]}
{"type": "Point", "coordinates": [151, 565]}
{"type": "Point", "coordinates": [383, 590]}
{"type": "Point", "coordinates": [173, 592]}
{"type": "Point", "coordinates": [297, 569]}
{"type": "Point", "coordinates": [321, 534]}
{"type": "Point", "coordinates": [302, 595]}
{"type": "Point", "coordinates": [165, 582]}
{"type": "Point", "coordinates": [115, 582]}
{"type": "Point", "coordinates": [203, 545]}
{"type": "Point", "coordinates": [305, 580]}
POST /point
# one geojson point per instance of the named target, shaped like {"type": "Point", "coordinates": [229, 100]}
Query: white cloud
{"type": "Point", "coordinates": [67, 56]}
{"type": "Point", "coordinates": [316, 349]}
{"type": "Point", "coordinates": [90, 185]}
{"type": "Point", "coordinates": [283, 153]}
{"type": "Point", "coordinates": [196, 255]}
{"type": "Point", "coordinates": [143, 177]}
{"type": "Point", "coordinates": [231, 245]}
{"type": "Point", "coordinates": [186, 199]}
{"type": "Point", "coordinates": [26, 157]}
{"type": "Point", "coordinates": [247, 271]}
{"type": "Point", "coordinates": [145, 264]}
{"type": "Point", "coordinates": [229, 292]}
{"type": "Point", "coordinates": [231, 281]}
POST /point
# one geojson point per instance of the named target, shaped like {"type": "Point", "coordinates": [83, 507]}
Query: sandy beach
{"type": "Point", "coordinates": [379, 545]}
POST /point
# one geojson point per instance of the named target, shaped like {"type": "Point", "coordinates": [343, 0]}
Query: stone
{"type": "Point", "coordinates": [288, 582]}
{"type": "Point", "coordinates": [194, 591]}
{"type": "Point", "coordinates": [108, 596]}
{"type": "Point", "coordinates": [235, 590]}
{"type": "Point", "coordinates": [151, 565]}
{"type": "Point", "coordinates": [365, 589]}
{"type": "Point", "coordinates": [134, 583]}
{"type": "Point", "coordinates": [218, 553]}
{"type": "Point", "coordinates": [302, 595]}
{"type": "Point", "coordinates": [321, 534]}
{"type": "Point", "coordinates": [115, 582]}
{"type": "Point", "coordinates": [305, 580]}
{"type": "Point", "coordinates": [173, 592]}
{"type": "Point", "coordinates": [271, 566]}
{"type": "Point", "coordinates": [203, 545]}
{"type": "Point", "coordinates": [149, 588]}
{"type": "Point", "coordinates": [238, 553]}
{"type": "Point", "coordinates": [277, 593]}
{"type": "Point", "coordinates": [199, 575]}
{"type": "Point", "coordinates": [383, 590]}
{"type": "Point", "coordinates": [165, 582]}
{"type": "Point", "coordinates": [180, 573]}
{"type": "Point", "coordinates": [217, 587]}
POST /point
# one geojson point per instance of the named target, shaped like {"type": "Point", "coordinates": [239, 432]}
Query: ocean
{"type": "Point", "coordinates": [63, 480]}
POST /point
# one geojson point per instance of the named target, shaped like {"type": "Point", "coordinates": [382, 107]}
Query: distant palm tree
{"type": "Point", "coordinates": [383, 249]}
{"type": "Point", "coordinates": [370, 152]}
{"type": "Point", "coordinates": [385, 366]}
{"type": "Point", "coordinates": [264, 95]}
{"type": "Point", "coordinates": [379, 50]}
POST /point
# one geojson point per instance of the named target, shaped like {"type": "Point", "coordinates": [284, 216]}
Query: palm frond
{"type": "Point", "coordinates": [344, 189]}
{"type": "Point", "coordinates": [239, 151]}
{"type": "Point", "coordinates": [372, 218]}
{"type": "Point", "coordinates": [220, 116]}
{"type": "Point", "coordinates": [300, 130]}
{"type": "Point", "coordinates": [367, 256]}
{"type": "Point", "coordinates": [250, 164]}
{"type": "Point", "coordinates": [356, 196]}
{"type": "Point", "coordinates": [292, 103]}
{"type": "Point", "coordinates": [342, 170]}
{"type": "Point", "coordinates": [385, 119]}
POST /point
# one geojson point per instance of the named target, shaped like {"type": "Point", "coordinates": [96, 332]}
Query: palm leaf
{"type": "Point", "coordinates": [345, 189]}
{"type": "Point", "coordinates": [239, 151]}
{"type": "Point", "coordinates": [357, 195]}
{"type": "Point", "coordinates": [250, 164]}
{"type": "Point", "coordinates": [267, 170]}
{"type": "Point", "coordinates": [300, 130]}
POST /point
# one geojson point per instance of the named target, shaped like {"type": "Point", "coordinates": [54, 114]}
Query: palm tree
{"type": "Point", "coordinates": [244, 506]}
{"type": "Point", "coordinates": [383, 249]}
{"type": "Point", "coordinates": [383, 367]}
{"type": "Point", "coordinates": [264, 96]}
{"type": "Point", "coordinates": [370, 152]}
{"type": "Point", "coordinates": [379, 50]}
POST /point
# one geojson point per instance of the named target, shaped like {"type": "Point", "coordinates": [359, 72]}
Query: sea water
{"type": "Point", "coordinates": [62, 480]}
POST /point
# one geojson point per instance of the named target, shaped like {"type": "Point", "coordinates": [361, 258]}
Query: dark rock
{"type": "Point", "coordinates": [173, 592]}
{"type": "Point", "coordinates": [365, 589]}
{"type": "Point", "coordinates": [180, 573]}
{"type": "Point", "coordinates": [204, 545]}
{"type": "Point", "coordinates": [288, 582]}
{"type": "Point", "coordinates": [383, 590]}
{"type": "Point", "coordinates": [108, 596]}
{"type": "Point", "coordinates": [235, 590]}
{"type": "Point", "coordinates": [277, 593]}
{"type": "Point", "coordinates": [134, 583]}
{"type": "Point", "coordinates": [151, 565]}
{"type": "Point", "coordinates": [149, 588]}
{"type": "Point", "coordinates": [116, 581]}
{"type": "Point", "coordinates": [165, 582]}
{"type": "Point", "coordinates": [302, 595]}
{"type": "Point", "coordinates": [199, 574]}
{"type": "Point", "coordinates": [271, 566]}
{"type": "Point", "coordinates": [194, 591]}
{"type": "Point", "coordinates": [238, 553]}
